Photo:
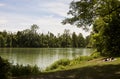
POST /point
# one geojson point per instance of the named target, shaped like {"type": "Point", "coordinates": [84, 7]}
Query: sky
{"type": "Point", "coordinates": [47, 14]}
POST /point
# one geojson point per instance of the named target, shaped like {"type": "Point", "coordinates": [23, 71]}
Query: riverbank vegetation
{"type": "Point", "coordinates": [4, 69]}
{"type": "Point", "coordinates": [92, 69]}
{"type": "Point", "coordinates": [30, 38]}
{"type": "Point", "coordinates": [20, 70]}
{"type": "Point", "coordinates": [86, 68]}
{"type": "Point", "coordinates": [7, 70]}
{"type": "Point", "coordinates": [64, 63]}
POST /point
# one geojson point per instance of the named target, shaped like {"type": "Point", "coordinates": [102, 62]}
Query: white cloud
{"type": "Point", "coordinates": [3, 21]}
{"type": "Point", "coordinates": [2, 4]}
{"type": "Point", "coordinates": [57, 10]}
{"type": "Point", "coordinates": [46, 23]}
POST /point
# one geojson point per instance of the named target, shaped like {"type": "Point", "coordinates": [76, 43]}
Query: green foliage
{"type": "Point", "coordinates": [95, 54]}
{"type": "Point", "coordinates": [7, 70]}
{"type": "Point", "coordinates": [104, 15]}
{"type": "Point", "coordinates": [82, 12]}
{"type": "Point", "coordinates": [2, 41]}
{"type": "Point", "coordinates": [112, 36]}
{"type": "Point", "coordinates": [81, 59]}
{"type": "Point", "coordinates": [34, 27]}
{"type": "Point", "coordinates": [85, 12]}
{"type": "Point", "coordinates": [30, 38]}
{"type": "Point", "coordinates": [20, 70]}
{"type": "Point", "coordinates": [64, 63]}
{"type": "Point", "coordinates": [4, 69]}
{"type": "Point", "coordinates": [74, 40]}
{"type": "Point", "coordinates": [60, 64]}
{"type": "Point", "coordinates": [106, 36]}
{"type": "Point", "coordinates": [81, 41]}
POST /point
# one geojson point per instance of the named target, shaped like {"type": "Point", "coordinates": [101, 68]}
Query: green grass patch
{"type": "Point", "coordinates": [93, 69]}
{"type": "Point", "coordinates": [87, 68]}
{"type": "Point", "coordinates": [64, 63]}
{"type": "Point", "coordinates": [60, 64]}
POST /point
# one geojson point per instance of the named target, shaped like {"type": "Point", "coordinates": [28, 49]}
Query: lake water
{"type": "Point", "coordinates": [42, 57]}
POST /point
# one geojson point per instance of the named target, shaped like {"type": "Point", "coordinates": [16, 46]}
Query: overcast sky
{"type": "Point", "coordinates": [47, 14]}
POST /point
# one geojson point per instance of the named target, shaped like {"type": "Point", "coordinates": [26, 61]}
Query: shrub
{"type": "Point", "coordinates": [95, 54]}
{"type": "Point", "coordinates": [20, 70]}
{"type": "Point", "coordinates": [60, 64]}
{"type": "Point", "coordinates": [4, 69]}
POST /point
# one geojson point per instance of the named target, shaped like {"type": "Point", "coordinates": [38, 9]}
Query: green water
{"type": "Point", "coordinates": [42, 57]}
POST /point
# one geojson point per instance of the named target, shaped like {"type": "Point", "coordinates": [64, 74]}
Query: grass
{"type": "Point", "coordinates": [90, 68]}
{"type": "Point", "coordinates": [60, 64]}
{"type": "Point", "coordinates": [66, 63]}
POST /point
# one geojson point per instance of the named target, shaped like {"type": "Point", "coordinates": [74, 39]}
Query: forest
{"type": "Point", "coordinates": [30, 38]}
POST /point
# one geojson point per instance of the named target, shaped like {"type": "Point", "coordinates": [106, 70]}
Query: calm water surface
{"type": "Point", "coordinates": [42, 57]}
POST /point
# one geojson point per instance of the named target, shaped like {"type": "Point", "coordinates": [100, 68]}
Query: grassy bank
{"type": "Point", "coordinates": [88, 69]}
{"type": "Point", "coordinates": [92, 67]}
{"type": "Point", "coordinates": [66, 63]}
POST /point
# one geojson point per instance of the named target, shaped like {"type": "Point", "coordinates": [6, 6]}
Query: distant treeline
{"type": "Point", "coordinates": [30, 38]}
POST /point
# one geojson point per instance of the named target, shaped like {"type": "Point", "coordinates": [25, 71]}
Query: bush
{"type": "Point", "coordinates": [95, 54]}
{"type": "Point", "coordinates": [60, 64]}
{"type": "Point", "coordinates": [20, 70]}
{"type": "Point", "coordinates": [4, 69]}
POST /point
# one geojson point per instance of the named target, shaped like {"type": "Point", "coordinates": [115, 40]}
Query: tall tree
{"type": "Point", "coordinates": [85, 12]}
{"type": "Point", "coordinates": [104, 15]}
{"type": "Point", "coordinates": [74, 40]}
{"type": "Point", "coordinates": [34, 28]}
{"type": "Point", "coordinates": [66, 39]}
{"type": "Point", "coordinates": [81, 40]}
{"type": "Point", "coordinates": [2, 41]}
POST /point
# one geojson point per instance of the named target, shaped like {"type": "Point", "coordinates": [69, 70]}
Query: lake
{"type": "Point", "coordinates": [42, 57]}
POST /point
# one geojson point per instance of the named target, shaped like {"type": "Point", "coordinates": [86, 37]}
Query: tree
{"type": "Point", "coordinates": [34, 28]}
{"type": "Point", "coordinates": [85, 12]}
{"type": "Point", "coordinates": [30, 37]}
{"type": "Point", "coordinates": [104, 15]}
{"type": "Point", "coordinates": [9, 40]}
{"type": "Point", "coordinates": [66, 39]}
{"type": "Point", "coordinates": [2, 41]}
{"type": "Point", "coordinates": [87, 41]}
{"type": "Point", "coordinates": [51, 40]}
{"type": "Point", "coordinates": [112, 36]}
{"type": "Point", "coordinates": [74, 40]}
{"type": "Point", "coordinates": [81, 40]}
{"type": "Point", "coordinates": [106, 34]}
{"type": "Point", "coordinates": [4, 69]}
{"type": "Point", "coordinates": [19, 37]}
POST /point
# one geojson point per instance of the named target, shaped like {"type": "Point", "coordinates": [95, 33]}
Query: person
{"type": "Point", "coordinates": [108, 59]}
{"type": "Point", "coordinates": [111, 58]}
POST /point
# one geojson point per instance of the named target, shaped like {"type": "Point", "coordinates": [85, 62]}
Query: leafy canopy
{"type": "Point", "coordinates": [85, 12]}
